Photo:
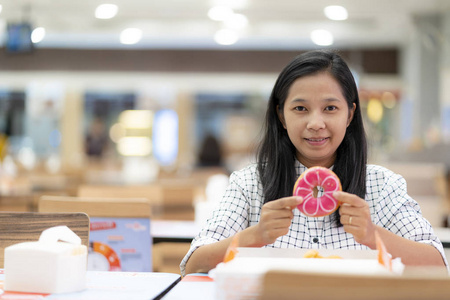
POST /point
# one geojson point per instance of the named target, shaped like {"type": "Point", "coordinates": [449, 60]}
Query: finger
{"type": "Point", "coordinates": [279, 213]}
{"type": "Point", "coordinates": [352, 229]}
{"type": "Point", "coordinates": [349, 199]}
{"type": "Point", "coordinates": [351, 210]}
{"type": "Point", "coordinates": [345, 219]}
{"type": "Point", "coordinates": [351, 220]}
{"type": "Point", "coordinates": [287, 202]}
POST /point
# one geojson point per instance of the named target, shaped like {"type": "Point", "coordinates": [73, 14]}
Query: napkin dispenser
{"type": "Point", "coordinates": [55, 264]}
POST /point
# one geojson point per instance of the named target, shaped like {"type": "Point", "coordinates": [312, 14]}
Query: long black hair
{"type": "Point", "coordinates": [276, 153]}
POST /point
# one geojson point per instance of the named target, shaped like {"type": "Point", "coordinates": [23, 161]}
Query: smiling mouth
{"type": "Point", "coordinates": [316, 140]}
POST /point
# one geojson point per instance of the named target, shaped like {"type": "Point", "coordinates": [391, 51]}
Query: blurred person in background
{"type": "Point", "coordinates": [4, 136]}
{"type": "Point", "coordinates": [3, 146]}
{"type": "Point", "coordinates": [96, 139]}
{"type": "Point", "coordinates": [210, 152]}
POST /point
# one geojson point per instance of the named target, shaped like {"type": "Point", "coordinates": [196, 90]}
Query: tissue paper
{"type": "Point", "coordinates": [54, 264]}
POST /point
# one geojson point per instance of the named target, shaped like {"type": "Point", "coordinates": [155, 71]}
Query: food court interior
{"type": "Point", "coordinates": [168, 111]}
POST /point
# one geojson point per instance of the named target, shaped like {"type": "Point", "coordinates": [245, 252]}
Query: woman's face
{"type": "Point", "coordinates": [316, 116]}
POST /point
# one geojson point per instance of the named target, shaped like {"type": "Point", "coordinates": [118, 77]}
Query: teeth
{"type": "Point", "coordinates": [316, 140]}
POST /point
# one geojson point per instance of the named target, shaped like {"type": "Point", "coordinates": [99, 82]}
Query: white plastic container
{"type": "Point", "coordinates": [241, 278]}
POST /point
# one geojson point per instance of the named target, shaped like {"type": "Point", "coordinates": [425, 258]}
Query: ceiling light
{"type": "Point", "coordinates": [322, 37]}
{"type": "Point", "coordinates": [38, 34]}
{"type": "Point", "coordinates": [220, 13]}
{"type": "Point", "coordinates": [235, 4]}
{"type": "Point", "coordinates": [1, 8]}
{"type": "Point", "coordinates": [226, 37]}
{"type": "Point", "coordinates": [336, 12]}
{"type": "Point", "coordinates": [130, 36]}
{"type": "Point", "coordinates": [106, 11]}
{"type": "Point", "coordinates": [236, 21]}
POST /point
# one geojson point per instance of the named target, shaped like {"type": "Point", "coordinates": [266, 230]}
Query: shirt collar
{"type": "Point", "coordinates": [300, 168]}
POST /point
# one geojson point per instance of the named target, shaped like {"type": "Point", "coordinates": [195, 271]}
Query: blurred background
{"type": "Point", "coordinates": [170, 93]}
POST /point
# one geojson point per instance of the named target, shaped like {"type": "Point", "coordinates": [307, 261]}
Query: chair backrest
{"type": "Point", "coordinates": [97, 207]}
{"type": "Point", "coordinates": [423, 179]}
{"type": "Point", "coordinates": [17, 227]}
{"type": "Point", "coordinates": [153, 194]}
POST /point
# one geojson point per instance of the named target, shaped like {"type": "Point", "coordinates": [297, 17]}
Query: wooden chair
{"type": "Point", "coordinates": [152, 193]}
{"type": "Point", "coordinates": [171, 199]}
{"type": "Point", "coordinates": [97, 207]}
{"type": "Point", "coordinates": [17, 227]}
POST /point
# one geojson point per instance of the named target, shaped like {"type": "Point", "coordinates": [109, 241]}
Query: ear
{"type": "Point", "coordinates": [281, 116]}
{"type": "Point", "coordinates": [351, 114]}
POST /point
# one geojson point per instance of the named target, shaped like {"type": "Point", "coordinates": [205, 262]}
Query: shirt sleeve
{"type": "Point", "coordinates": [229, 217]}
{"type": "Point", "coordinates": [401, 214]}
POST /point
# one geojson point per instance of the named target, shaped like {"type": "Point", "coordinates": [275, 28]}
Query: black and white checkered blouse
{"type": "Point", "coordinates": [390, 205]}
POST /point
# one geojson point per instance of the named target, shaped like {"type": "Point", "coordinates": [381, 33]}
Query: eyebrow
{"type": "Point", "coordinates": [324, 100]}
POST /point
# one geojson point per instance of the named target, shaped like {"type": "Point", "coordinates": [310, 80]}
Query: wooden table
{"type": "Point", "coordinates": [171, 242]}
{"type": "Point", "coordinates": [193, 286]}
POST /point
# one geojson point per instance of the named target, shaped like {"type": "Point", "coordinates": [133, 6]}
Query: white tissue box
{"type": "Point", "coordinates": [45, 266]}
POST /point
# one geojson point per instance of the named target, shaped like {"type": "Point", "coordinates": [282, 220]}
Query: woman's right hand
{"type": "Point", "coordinates": [275, 220]}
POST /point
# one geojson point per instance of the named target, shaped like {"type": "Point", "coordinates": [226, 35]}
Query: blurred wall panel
{"type": "Point", "coordinates": [371, 61]}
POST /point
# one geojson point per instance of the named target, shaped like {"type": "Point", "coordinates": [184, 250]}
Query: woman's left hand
{"type": "Point", "coordinates": [355, 216]}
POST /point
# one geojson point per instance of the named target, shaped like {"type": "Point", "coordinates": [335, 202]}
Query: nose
{"type": "Point", "coordinates": [315, 122]}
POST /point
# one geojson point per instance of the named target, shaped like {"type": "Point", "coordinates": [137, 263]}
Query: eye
{"type": "Point", "coordinates": [330, 108]}
{"type": "Point", "coordinates": [300, 108]}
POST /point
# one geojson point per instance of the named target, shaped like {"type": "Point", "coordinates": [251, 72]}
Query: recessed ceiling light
{"type": "Point", "coordinates": [130, 36]}
{"type": "Point", "coordinates": [322, 37]}
{"type": "Point", "coordinates": [236, 21]}
{"type": "Point", "coordinates": [38, 34]}
{"type": "Point", "coordinates": [220, 13]}
{"type": "Point", "coordinates": [226, 37]}
{"type": "Point", "coordinates": [336, 12]}
{"type": "Point", "coordinates": [106, 11]}
{"type": "Point", "coordinates": [235, 4]}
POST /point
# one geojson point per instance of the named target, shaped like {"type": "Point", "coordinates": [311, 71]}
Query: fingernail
{"type": "Point", "coordinates": [336, 194]}
{"type": "Point", "coordinates": [299, 200]}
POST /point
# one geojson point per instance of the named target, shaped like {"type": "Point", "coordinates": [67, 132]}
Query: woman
{"type": "Point", "coordinates": [314, 119]}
